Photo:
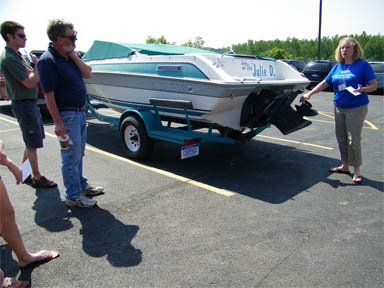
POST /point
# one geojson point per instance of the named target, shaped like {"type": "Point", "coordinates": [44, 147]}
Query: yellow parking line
{"type": "Point", "coordinates": [10, 121]}
{"type": "Point", "coordinates": [295, 142]}
{"type": "Point", "coordinates": [326, 114]}
{"type": "Point", "coordinates": [223, 192]}
{"type": "Point", "coordinates": [8, 130]}
{"type": "Point", "coordinates": [50, 135]}
{"type": "Point", "coordinates": [370, 124]}
{"type": "Point", "coordinates": [158, 171]}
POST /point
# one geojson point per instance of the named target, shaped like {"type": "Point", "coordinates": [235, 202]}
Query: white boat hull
{"type": "Point", "coordinates": [218, 97]}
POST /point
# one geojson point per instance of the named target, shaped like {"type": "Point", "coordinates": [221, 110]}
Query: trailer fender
{"type": "Point", "coordinates": [148, 118]}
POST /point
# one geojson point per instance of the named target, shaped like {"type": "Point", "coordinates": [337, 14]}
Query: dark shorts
{"type": "Point", "coordinates": [31, 125]}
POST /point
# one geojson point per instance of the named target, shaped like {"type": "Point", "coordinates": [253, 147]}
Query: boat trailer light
{"type": "Point", "coordinates": [188, 142]}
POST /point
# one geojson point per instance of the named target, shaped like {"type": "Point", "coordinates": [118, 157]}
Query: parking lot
{"type": "Point", "coordinates": [266, 213]}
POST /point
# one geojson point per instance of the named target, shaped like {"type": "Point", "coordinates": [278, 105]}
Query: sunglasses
{"type": "Point", "coordinates": [22, 36]}
{"type": "Point", "coordinates": [72, 37]}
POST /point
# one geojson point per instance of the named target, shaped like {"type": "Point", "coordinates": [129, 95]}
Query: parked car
{"type": "Point", "coordinates": [2, 88]}
{"type": "Point", "coordinates": [40, 96]}
{"type": "Point", "coordinates": [317, 70]}
{"type": "Point", "coordinates": [297, 64]}
{"type": "Point", "coordinates": [378, 69]}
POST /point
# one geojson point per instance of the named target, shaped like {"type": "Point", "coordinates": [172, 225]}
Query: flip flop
{"type": "Point", "coordinates": [13, 283]}
{"type": "Point", "coordinates": [43, 255]}
{"type": "Point", "coordinates": [338, 170]}
{"type": "Point", "coordinates": [357, 179]}
{"type": "Point", "coordinates": [43, 183]}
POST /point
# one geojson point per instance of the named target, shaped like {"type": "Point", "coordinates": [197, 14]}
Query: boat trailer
{"type": "Point", "coordinates": [139, 128]}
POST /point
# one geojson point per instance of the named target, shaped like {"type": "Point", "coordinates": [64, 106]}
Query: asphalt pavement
{"type": "Point", "coordinates": [266, 213]}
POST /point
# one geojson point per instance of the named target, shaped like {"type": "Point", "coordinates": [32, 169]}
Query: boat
{"type": "Point", "coordinates": [229, 92]}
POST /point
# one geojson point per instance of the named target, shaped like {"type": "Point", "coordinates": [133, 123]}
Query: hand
{"type": "Point", "coordinates": [305, 97]}
{"type": "Point", "coordinates": [3, 158]}
{"type": "Point", "coordinates": [60, 129]}
{"type": "Point", "coordinates": [360, 88]}
{"type": "Point", "coordinates": [16, 172]}
{"type": "Point", "coordinates": [34, 59]}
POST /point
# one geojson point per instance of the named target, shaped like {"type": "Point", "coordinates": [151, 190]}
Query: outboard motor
{"type": "Point", "coordinates": [272, 107]}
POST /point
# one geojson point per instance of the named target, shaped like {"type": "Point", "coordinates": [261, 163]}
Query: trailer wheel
{"type": "Point", "coordinates": [136, 143]}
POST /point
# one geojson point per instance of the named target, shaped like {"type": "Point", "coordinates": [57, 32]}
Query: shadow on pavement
{"type": "Point", "coordinates": [265, 171]}
{"type": "Point", "coordinates": [103, 234]}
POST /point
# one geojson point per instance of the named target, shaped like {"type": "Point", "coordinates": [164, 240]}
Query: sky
{"type": "Point", "coordinates": [219, 23]}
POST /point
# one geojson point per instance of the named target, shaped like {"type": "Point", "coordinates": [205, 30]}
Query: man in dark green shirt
{"type": "Point", "coordinates": [21, 86]}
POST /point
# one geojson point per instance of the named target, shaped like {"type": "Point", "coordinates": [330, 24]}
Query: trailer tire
{"type": "Point", "coordinates": [136, 143]}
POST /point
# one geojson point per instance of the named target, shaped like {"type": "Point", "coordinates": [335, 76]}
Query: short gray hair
{"type": "Point", "coordinates": [58, 27]}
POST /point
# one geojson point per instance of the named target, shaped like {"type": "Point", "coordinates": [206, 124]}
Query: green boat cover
{"type": "Point", "coordinates": [103, 50]}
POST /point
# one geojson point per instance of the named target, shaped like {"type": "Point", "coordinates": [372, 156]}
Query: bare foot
{"type": "Point", "coordinates": [12, 283]}
{"type": "Point", "coordinates": [40, 256]}
{"type": "Point", "coordinates": [357, 179]}
{"type": "Point", "coordinates": [341, 169]}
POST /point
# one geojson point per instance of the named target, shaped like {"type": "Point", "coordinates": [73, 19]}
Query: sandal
{"type": "Point", "coordinates": [13, 283]}
{"type": "Point", "coordinates": [338, 170]}
{"type": "Point", "coordinates": [43, 183]}
{"type": "Point", "coordinates": [43, 255]}
{"type": "Point", "coordinates": [357, 179]}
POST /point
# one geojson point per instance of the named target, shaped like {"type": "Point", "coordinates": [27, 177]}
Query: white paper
{"type": "Point", "coordinates": [26, 169]}
{"type": "Point", "coordinates": [352, 90]}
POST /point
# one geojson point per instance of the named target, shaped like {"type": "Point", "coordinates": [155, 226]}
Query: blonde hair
{"type": "Point", "coordinates": [358, 51]}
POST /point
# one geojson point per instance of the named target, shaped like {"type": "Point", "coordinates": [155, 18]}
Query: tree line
{"type": "Point", "coordinates": [294, 48]}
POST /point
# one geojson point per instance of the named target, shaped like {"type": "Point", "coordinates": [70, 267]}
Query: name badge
{"type": "Point", "coordinates": [342, 87]}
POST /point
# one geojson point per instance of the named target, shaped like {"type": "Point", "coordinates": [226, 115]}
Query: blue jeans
{"type": "Point", "coordinates": [72, 158]}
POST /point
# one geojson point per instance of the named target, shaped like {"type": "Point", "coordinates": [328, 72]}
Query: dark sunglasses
{"type": "Point", "coordinates": [22, 36]}
{"type": "Point", "coordinates": [73, 37]}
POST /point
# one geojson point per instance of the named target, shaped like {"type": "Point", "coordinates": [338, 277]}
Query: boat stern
{"type": "Point", "coordinates": [273, 107]}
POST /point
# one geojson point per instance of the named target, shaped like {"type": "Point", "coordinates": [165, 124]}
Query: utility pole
{"type": "Point", "coordinates": [318, 46]}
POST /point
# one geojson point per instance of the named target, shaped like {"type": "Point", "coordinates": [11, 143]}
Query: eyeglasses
{"type": "Point", "coordinates": [72, 37]}
{"type": "Point", "coordinates": [22, 36]}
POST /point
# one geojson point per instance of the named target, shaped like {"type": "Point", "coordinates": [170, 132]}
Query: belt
{"type": "Point", "coordinates": [24, 100]}
{"type": "Point", "coordinates": [76, 109]}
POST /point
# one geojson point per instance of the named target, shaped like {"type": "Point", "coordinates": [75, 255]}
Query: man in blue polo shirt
{"type": "Point", "coordinates": [61, 73]}
{"type": "Point", "coordinates": [21, 87]}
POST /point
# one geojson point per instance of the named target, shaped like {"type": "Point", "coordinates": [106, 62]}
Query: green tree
{"type": "Point", "coordinates": [278, 53]}
{"type": "Point", "coordinates": [293, 48]}
{"type": "Point", "coordinates": [161, 40]}
{"type": "Point", "coordinates": [198, 43]}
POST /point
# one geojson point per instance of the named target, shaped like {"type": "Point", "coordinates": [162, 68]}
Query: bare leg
{"type": "Point", "coordinates": [31, 154]}
{"type": "Point", "coordinates": [356, 175]}
{"type": "Point", "coordinates": [8, 226]}
{"type": "Point", "coordinates": [11, 234]}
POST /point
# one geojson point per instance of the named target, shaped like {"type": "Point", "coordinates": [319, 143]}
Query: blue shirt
{"type": "Point", "coordinates": [62, 76]}
{"type": "Point", "coordinates": [359, 72]}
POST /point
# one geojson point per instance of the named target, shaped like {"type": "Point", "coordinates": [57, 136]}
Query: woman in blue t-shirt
{"type": "Point", "coordinates": [352, 79]}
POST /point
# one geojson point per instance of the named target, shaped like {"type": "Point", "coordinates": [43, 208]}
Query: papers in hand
{"type": "Point", "coordinates": [26, 169]}
{"type": "Point", "coordinates": [352, 91]}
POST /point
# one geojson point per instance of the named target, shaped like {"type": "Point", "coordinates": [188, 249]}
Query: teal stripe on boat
{"type": "Point", "coordinates": [184, 70]}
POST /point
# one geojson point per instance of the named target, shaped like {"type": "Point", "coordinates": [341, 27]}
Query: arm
{"type": "Point", "coordinates": [33, 76]}
{"type": "Point", "coordinates": [54, 111]}
{"type": "Point", "coordinates": [5, 161]}
{"type": "Point", "coordinates": [319, 87]}
{"type": "Point", "coordinates": [86, 70]}
{"type": "Point", "coordinates": [371, 87]}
